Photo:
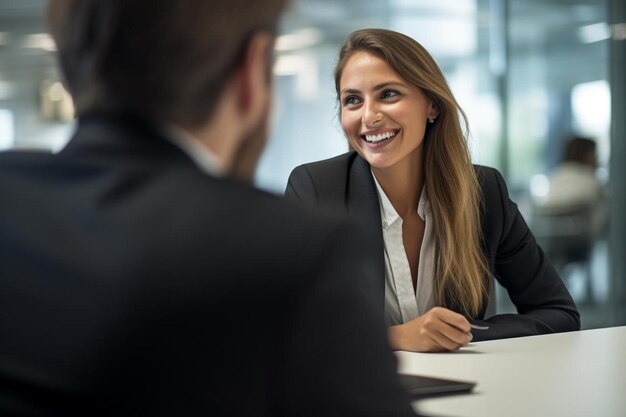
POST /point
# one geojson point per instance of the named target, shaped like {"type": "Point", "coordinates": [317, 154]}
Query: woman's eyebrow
{"type": "Point", "coordinates": [350, 91]}
{"type": "Point", "coordinates": [376, 87]}
{"type": "Point", "coordinates": [387, 84]}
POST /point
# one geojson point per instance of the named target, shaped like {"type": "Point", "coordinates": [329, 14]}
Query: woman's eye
{"type": "Point", "coordinates": [389, 94]}
{"type": "Point", "coordinates": [351, 101]}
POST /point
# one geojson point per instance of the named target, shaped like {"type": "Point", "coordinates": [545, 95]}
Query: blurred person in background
{"type": "Point", "coordinates": [570, 213]}
{"type": "Point", "coordinates": [141, 273]}
{"type": "Point", "coordinates": [442, 226]}
{"type": "Point", "coordinates": [574, 185]}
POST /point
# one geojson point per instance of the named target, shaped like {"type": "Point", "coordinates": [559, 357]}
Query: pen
{"type": "Point", "coordinates": [477, 327]}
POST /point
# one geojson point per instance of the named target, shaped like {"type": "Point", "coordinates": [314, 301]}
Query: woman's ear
{"type": "Point", "coordinates": [433, 110]}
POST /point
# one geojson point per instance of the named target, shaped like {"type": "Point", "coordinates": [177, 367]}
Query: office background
{"type": "Point", "coordinates": [527, 72]}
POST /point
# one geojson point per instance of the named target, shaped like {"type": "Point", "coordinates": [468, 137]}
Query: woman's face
{"type": "Point", "coordinates": [383, 116]}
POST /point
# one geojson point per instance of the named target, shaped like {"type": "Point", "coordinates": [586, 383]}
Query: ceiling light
{"type": "Point", "coordinates": [41, 41]}
{"type": "Point", "coordinates": [299, 39]}
{"type": "Point", "coordinates": [594, 33]}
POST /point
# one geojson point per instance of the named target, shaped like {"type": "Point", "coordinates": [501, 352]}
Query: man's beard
{"type": "Point", "coordinates": [248, 155]}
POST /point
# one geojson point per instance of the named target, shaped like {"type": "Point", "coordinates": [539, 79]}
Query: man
{"type": "Point", "coordinates": [141, 274]}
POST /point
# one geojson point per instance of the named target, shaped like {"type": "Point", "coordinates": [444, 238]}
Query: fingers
{"type": "Point", "coordinates": [452, 318]}
{"type": "Point", "coordinates": [443, 334]}
{"type": "Point", "coordinates": [452, 339]}
{"type": "Point", "coordinates": [438, 330]}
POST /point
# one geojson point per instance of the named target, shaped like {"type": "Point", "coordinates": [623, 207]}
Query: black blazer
{"type": "Point", "coordinates": [132, 283]}
{"type": "Point", "coordinates": [544, 305]}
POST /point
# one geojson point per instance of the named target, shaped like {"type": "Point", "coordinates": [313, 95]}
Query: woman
{"type": "Point", "coordinates": [443, 226]}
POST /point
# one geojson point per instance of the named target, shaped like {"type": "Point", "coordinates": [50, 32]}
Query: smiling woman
{"type": "Point", "coordinates": [444, 226]}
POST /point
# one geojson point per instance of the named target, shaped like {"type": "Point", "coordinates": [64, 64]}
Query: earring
{"type": "Point", "coordinates": [431, 120]}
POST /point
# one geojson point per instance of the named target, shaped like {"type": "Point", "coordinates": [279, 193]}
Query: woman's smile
{"type": "Point", "coordinates": [376, 139]}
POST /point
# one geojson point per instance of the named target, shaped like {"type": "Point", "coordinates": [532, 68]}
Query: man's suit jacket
{"type": "Point", "coordinates": [345, 183]}
{"type": "Point", "coordinates": [132, 283]}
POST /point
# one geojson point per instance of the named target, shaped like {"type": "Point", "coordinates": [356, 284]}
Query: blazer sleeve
{"type": "Point", "coordinates": [543, 302]}
{"type": "Point", "coordinates": [339, 360]}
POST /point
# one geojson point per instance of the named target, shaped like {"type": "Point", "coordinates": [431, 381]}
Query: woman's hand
{"type": "Point", "coordinates": [438, 330]}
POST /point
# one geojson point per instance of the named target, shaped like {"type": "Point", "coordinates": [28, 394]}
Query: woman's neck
{"type": "Point", "coordinates": [402, 183]}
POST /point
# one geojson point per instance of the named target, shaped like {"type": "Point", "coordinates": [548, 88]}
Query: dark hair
{"type": "Point", "coordinates": [163, 59]}
{"type": "Point", "coordinates": [462, 278]}
{"type": "Point", "coordinates": [579, 149]}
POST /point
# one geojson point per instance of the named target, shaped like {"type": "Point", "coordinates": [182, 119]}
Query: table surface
{"type": "Point", "coordinates": [568, 374]}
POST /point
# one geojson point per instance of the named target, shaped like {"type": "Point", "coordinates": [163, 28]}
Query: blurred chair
{"type": "Point", "coordinates": [566, 237]}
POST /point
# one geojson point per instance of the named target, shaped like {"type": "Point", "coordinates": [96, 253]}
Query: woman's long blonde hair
{"type": "Point", "coordinates": [462, 278]}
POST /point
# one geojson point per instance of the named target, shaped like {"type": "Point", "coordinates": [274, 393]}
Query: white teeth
{"type": "Point", "coordinates": [378, 138]}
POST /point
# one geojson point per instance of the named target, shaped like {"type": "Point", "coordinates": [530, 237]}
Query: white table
{"type": "Point", "coordinates": [568, 374]}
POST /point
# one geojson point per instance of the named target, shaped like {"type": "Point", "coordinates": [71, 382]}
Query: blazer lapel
{"type": "Point", "coordinates": [362, 204]}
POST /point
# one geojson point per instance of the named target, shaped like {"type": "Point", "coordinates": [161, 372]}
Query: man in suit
{"type": "Point", "coordinates": [141, 274]}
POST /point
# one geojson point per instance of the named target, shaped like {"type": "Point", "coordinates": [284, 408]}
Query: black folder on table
{"type": "Point", "coordinates": [426, 386]}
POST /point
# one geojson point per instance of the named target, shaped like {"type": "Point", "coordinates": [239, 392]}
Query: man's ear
{"type": "Point", "coordinates": [254, 92]}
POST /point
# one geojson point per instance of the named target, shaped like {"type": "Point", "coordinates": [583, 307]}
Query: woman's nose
{"type": "Point", "coordinates": [371, 114]}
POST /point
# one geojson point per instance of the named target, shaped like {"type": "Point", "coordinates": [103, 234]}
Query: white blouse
{"type": "Point", "coordinates": [402, 303]}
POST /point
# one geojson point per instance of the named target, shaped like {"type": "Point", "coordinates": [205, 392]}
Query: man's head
{"type": "Point", "coordinates": [582, 150]}
{"type": "Point", "coordinates": [169, 61]}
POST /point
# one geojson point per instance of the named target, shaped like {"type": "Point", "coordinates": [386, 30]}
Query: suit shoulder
{"type": "Point", "coordinates": [328, 166]}
{"type": "Point", "coordinates": [322, 181]}
{"type": "Point", "coordinates": [20, 160]}
{"type": "Point", "coordinates": [490, 179]}
{"type": "Point", "coordinates": [264, 213]}
{"type": "Point", "coordinates": [328, 176]}
{"type": "Point", "coordinates": [285, 237]}
{"type": "Point", "coordinates": [486, 173]}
